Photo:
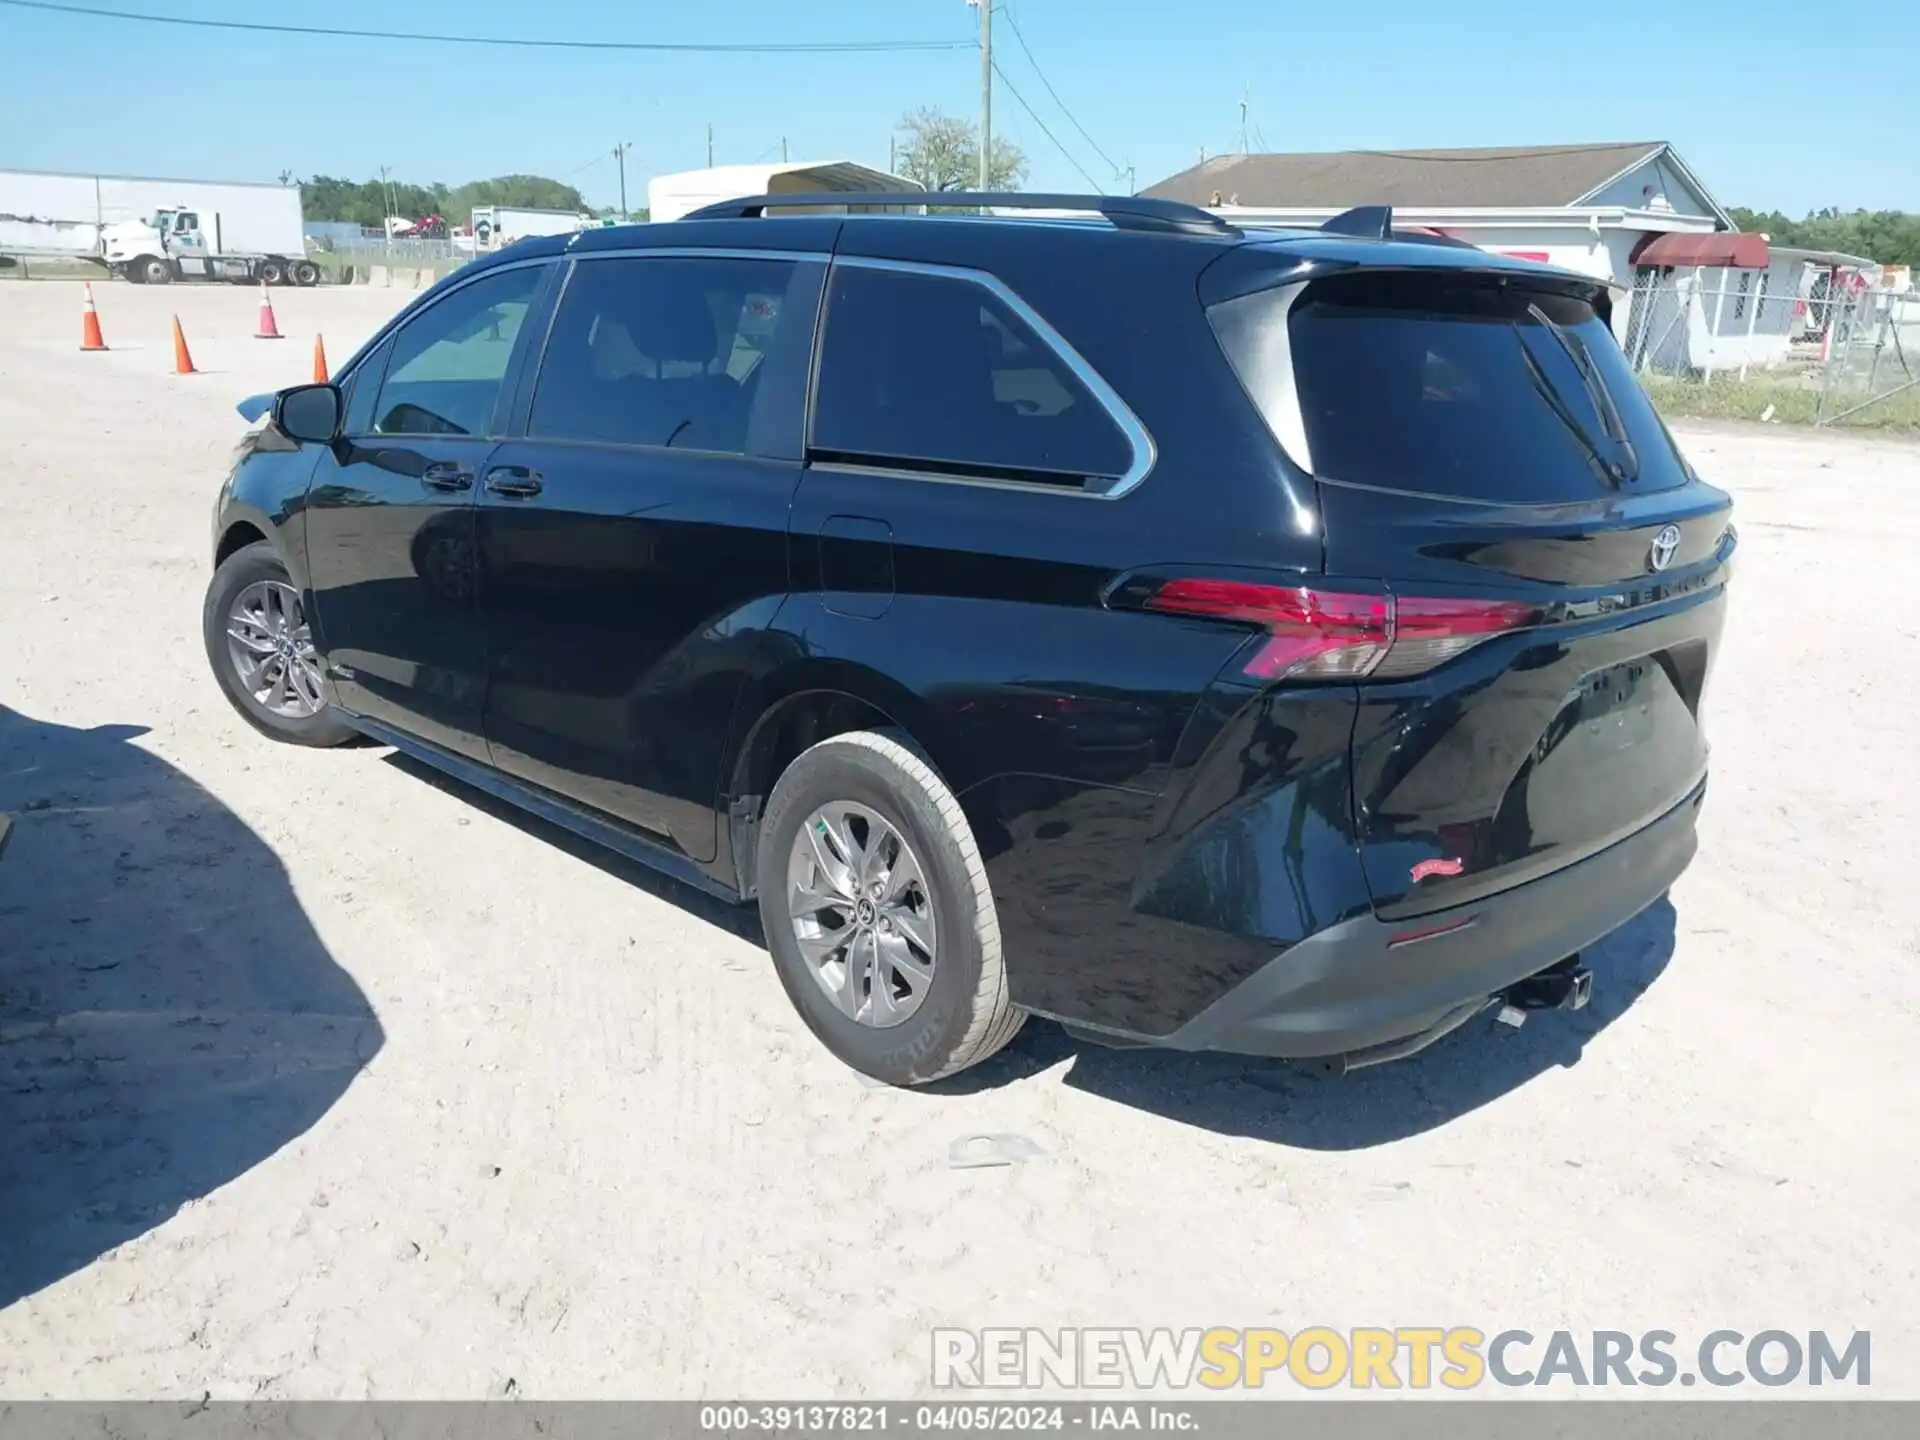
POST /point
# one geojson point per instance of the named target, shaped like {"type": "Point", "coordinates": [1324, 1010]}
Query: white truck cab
{"type": "Point", "coordinates": [178, 243]}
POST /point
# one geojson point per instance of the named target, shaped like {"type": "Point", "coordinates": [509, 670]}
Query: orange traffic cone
{"type": "Point", "coordinates": [319, 361]}
{"type": "Point", "coordinates": [90, 326]}
{"type": "Point", "coordinates": [182, 361]}
{"type": "Point", "coordinates": [269, 327]}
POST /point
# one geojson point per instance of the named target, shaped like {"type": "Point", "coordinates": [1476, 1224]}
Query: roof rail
{"type": "Point", "coordinates": [1368, 222]}
{"type": "Point", "coordinates": [1124, 212]}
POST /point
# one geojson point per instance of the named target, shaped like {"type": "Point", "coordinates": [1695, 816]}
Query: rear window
{"type": "Point", "coordinates": [1455, 386]}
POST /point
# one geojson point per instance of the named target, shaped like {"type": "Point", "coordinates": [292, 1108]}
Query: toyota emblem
{"type": "Point", "coordinates": [1665, 546]}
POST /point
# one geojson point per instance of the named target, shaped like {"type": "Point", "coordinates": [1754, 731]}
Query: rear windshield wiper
{"type": "Point", "coordinates": [1609, 471]}
{"type": "Point", "coordinates": [1597, 392]}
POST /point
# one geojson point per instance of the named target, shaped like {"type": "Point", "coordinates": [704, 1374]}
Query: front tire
{"type": "Point", "coordinates": [154, 271]}
{"type": "Point", "coordinates": [875, 904]}
{"type": "Point", "coordinates": [261, 649]}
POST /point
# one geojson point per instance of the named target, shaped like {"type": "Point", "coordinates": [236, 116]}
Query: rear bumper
{"type": "Point", "coordinates": [1349, 989]}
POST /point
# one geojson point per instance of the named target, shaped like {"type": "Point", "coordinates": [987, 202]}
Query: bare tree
{"type": "Point", "coordinates": [942, 152]}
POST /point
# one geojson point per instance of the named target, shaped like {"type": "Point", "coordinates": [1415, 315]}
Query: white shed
{"type": "Point", "coordinates": [671, 196]}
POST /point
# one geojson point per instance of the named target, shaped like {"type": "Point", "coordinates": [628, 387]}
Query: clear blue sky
{"type": "Point", "coordinates": [1775, 104]}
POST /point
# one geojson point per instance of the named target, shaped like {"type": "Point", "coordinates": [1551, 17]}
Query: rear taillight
{"type": "Point", "coordinates": [1335, 635]}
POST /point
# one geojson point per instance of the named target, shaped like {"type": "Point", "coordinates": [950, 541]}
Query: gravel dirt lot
{"type": "Point", "coordinates": [320, 1078]}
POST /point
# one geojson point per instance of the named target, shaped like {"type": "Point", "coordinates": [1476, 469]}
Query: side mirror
{"type": "Point", "coordinates": [310, 414]}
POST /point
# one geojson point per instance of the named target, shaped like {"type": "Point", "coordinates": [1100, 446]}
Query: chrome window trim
{"type": "Point", "coordinates": [934, 477]}
{"type": "Point", "coordinates": [1145, 453]}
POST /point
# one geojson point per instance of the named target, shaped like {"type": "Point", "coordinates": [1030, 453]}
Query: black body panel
{"type": "Point", "coordinates": [623, 606]}
{"type": "Point", "coordinates": [1536, 749]}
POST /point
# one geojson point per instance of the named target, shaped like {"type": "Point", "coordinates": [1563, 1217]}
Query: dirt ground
{"type": "Point", "coordinates": [319, 1078]}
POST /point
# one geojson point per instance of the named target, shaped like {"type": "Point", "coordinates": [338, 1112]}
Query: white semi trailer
{"type": "Point", "coordinates": [156, 231]}
{"type": "Point", "coordinates": [497, 226]}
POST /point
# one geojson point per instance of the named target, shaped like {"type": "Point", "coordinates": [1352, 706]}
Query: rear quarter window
{"type": "Point", "coordinates": [936, 372]}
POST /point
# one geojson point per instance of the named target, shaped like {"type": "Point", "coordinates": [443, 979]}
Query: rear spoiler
{"type": "Point", "coordinates": [1264, 264]}
{"type": "Point", "coordinates": [1375, 222]}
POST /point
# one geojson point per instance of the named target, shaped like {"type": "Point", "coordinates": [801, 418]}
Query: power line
{"type": "Point", "coordinates": [600, 159]}
{"type": "Point", "coordinates": [860, 47]}
{"type": "Point", "coordinates": [1056, 94]}
{"type": "Point", "coordinates": [1018, 99]}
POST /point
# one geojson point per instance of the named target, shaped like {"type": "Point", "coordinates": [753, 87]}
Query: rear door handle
{"type": "Point", "coordinates": [514, 481]}
{"type": "Point", "coordinates": [445, 475]}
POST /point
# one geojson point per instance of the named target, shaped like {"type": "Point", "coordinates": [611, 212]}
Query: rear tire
{"type": "Point", "coordinates": [272, 272]}
{"type": "Point", "coordinates": [305, 274]}
{"type": "Point", "coordinates": [873, 791]}
{"type": "Point", "coordinates": [251, 602]}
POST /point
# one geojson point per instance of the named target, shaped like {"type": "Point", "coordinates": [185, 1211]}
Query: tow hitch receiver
{"type": "Point", "coordinates": [1564, 985]}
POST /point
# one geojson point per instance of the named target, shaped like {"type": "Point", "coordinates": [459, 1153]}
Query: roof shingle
{"type": "Point", "coordinates": [1507, 176]}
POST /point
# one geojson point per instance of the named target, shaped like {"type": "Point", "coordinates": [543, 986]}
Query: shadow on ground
{"type": "Point", "coordinates": [1291, 1105]}
{"type": "Point", "coordinates": [168, 1018]}
{"type": "Point", "coordinates": [1231, 1094]}
{"type": "Point", "coordinates": [740, 920]}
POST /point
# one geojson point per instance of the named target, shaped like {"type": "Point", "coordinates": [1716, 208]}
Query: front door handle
{"type": "Point", "coordinates": [514, 481]}
{"type": "Point", "coordinates": [445, 475]}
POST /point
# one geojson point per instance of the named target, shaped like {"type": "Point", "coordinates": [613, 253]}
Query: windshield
{"type": "Point", "coordinates": [1451, 384]}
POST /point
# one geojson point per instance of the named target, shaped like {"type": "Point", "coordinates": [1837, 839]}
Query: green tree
{"type": "Point", "coordinates": [1890, 237]}
{"type": "Point", "coordinates": [533, 192]}
{"type": "Point", "coordinates": [942, 152]}
{"type": "Point", "coordinates": [367, 203]}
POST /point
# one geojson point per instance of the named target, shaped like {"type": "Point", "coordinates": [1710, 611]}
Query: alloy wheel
{"type": "Point", "coordinates": [271, 646]}
{"type": "Point", "coordinates": [862, 913]}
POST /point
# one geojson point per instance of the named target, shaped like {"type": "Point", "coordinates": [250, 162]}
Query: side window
{"type": "Point", "coordinates": [679, 351]}
{"type": "Point", "coordinates": [448, 362]}
{"type": "Point", "coordinates": [184, 222]}
{"type": "Point", "coordinates": [937, 372]}
{"type": "Point", "coordinates": [362, 389]}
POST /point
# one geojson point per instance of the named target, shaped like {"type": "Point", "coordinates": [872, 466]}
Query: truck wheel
{"type": "Point", "coordinates": [305, 273]}
{"type": "Point", "coordinates": [272, 272]}
{"type": "Point", "coordinates": [151, 270]}
{"type": "Point", "coordinates": [875, 904]}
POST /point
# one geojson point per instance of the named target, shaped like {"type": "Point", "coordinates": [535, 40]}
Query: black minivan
{"type": "Point", "coordinates": [1287, 642]}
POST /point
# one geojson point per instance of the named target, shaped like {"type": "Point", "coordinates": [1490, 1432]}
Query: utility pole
{"type": "Point", "coordinates": [783, 149]}
{"type": "Point", "coordinates": [1243, 121]}
{"type": "Point", "coordinates": [986, 94]}
{"type": "Point", "coordinates": [1130, 186]}
{"type": "Point", "coordinates": [620, 154]}
{"type": "Point", "coordinates": [709, 145]}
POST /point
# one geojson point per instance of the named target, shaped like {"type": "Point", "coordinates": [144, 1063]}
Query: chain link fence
{"type": "Point", "coordinates": [370, 259]}
{"type": "Point", "coordinates": [1825, 346]}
